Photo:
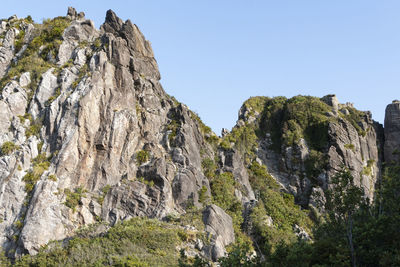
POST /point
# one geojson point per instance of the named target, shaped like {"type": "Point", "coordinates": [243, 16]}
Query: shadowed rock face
{"type": "Point", "coordinates": [392, 132]}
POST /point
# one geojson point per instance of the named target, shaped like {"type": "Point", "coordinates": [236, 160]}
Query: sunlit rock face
{"type": "Point", "coordinates": [80, 129]}
{"type": "Point", "coordinates": [88, 134]}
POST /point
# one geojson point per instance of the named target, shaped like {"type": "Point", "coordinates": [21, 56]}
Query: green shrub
{"type": "Point", "coordinates": [40, 164]}
{"type": "Point", "coordinates": [19, 224]}
{"type": "Point", "coordinates": [223, 195]}
{"type": "Point", "coordinates": [26, 116]}
{"type": "Point", "coordinates": [288, 120]}
{"type": "Point", "coordinates": [8, 147]}
{"type": "Point", "coordinates": [245, 140]}
{"type": "Point", "coordinates": [142, 156]}
{"type": "Point", "coordinates": [225, 144]}
{"type": "Point", "coordinates": [53, 177]}
{"type": "Point", "coordinates": [209, 167]}
{"type": "Point", "coordinates": [57, 93]}
{"type": "Point", "coordinates": [97, 43]}
{"type": "Point", "coordinates": [106, 189]}
{"type": "Point", "coordinates": [33, 130]}
{"type": "Point", "coordinates": [367, 170]}
{"type": "Point", "coordinates": [255, 104]}
{"type": "Point", "coordinates": [174, 125]}
{"type": "Point", "coordinates": [204, 129]}
{"type": "Point", "coordinates": [19, 41]}
{"type": "Point", "coordinates": [203, 197]}
{"type": "Point", "coordinates": [279, 206]}
{"type": "Point", "coordinates": [74, 199]}
{"type": "Point", "coordinates": [104, 192]}
{"type": "Point", "coordinates": [349, 146]}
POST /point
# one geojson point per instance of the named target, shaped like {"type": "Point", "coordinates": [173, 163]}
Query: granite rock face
{"type": "Point", "coordinates": [220, 228]}
{"type": "Point", "coordinates": [392, 132]}
{"type": "Point", "coordinates": [356, 146]}
{"type": "Point", "coordinates": [96, 124]}
{"type": "Point", "coordinates": [96, 109]}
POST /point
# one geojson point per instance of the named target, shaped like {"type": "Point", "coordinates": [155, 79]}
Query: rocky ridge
{"type": "Point", "coordinates": [102, 120]}
{"type": "Point", "coordinates": [312, 148]}
{"type": "Point", "coordinates": [88, 134]}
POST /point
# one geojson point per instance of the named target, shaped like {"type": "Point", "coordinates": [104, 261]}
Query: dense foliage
{"type": "Point", "coordinates": [288, 120]}
{"type": "Point", "coordinates": [275, 214]}
{"type": "Point", "coordinates": [136, 242]}
{"type": "Point", "coordinates": [354, 231]}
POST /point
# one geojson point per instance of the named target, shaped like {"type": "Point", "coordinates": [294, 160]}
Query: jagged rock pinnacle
{"type": "Point", "coordinates": [392, 132]}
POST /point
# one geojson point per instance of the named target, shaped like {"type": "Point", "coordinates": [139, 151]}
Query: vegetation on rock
{"type": "Point", "coordinates": [135, 242]}
{"type": "Point", "coordinates": [8, 147]}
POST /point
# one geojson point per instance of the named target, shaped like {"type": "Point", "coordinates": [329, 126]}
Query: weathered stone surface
{"type": "Point", "coordinates": [45, 90]}
{"type": "Point", "coordinates": [100, 106]}
{"type": "Point", "coordinates": [392, 132]}
{"type": "Point", "coordinates": [7, 50]}
{"type": "Point", "coordinates": [332, 101]}
{"type": "Point", "coordinates": [92, 126]}
{"type": "Point", "coordinates": [346, 148]}
{"type": "Point", "coordinates": [219, 226]}
{"type": "Point", "coordinates": [25, 79]}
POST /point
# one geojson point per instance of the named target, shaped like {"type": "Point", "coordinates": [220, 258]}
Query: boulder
{"type": "Point", "coordinates": [219, 226]}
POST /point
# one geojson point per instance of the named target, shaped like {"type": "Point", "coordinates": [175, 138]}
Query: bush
{"type": "Point", "coordinates": [8, 147]}
{"type": "Point", "coordinates": [142, 156]}
{"type": "Point", "coordinates": [355, 117]}
{"type": "Point", "coordinates": [225, 144]}
{"type": "Point", "coordinates": [74, 199]}
{"type": "Point", "coordinates": [33, 130]}
{"type": "Point", "coordinates": [203, 197]}
{"type": "Point", "coordinates": [209, 168]}
{"type": "Point", "coordinates": [349, 146]}
{"type": "Point", "coordinates": [53, 177]}
{"type": "Point", "coordinates": [245, 140]}
{"type": "Point", "coordinates": [40, 165]}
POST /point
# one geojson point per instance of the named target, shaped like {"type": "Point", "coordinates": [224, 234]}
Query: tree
{"type": "Point", "coordinates": [344, 199]}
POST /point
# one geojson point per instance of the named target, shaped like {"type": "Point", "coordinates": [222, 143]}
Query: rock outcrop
{"type": "Point", "coordinates": [345, 137]}
{"type": "Point", "coordinates": [98, 127]}
{"type": "Point", "coordinates": [392, 132]}
{"type": "Point", "coordinates": [88, 134]}
{"type": "Point", "coordinates": [220, 228]}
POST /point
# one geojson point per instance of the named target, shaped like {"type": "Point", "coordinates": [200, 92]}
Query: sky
{"type": "Point", "coordinates": [213, 55]}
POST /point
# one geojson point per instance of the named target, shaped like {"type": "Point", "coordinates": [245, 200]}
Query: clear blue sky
{"type": "Point", "coordinates": [213, 55]}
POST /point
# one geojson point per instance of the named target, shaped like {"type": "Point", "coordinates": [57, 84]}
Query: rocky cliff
{"type": "Point", "coordinates": [89, 135]}
{"type": "Point", "coordinates": [392, 132]}
{"type": "Point", "coordinates": [304, 141]}
{"type": "Point", "coordinates": [95, 137]}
